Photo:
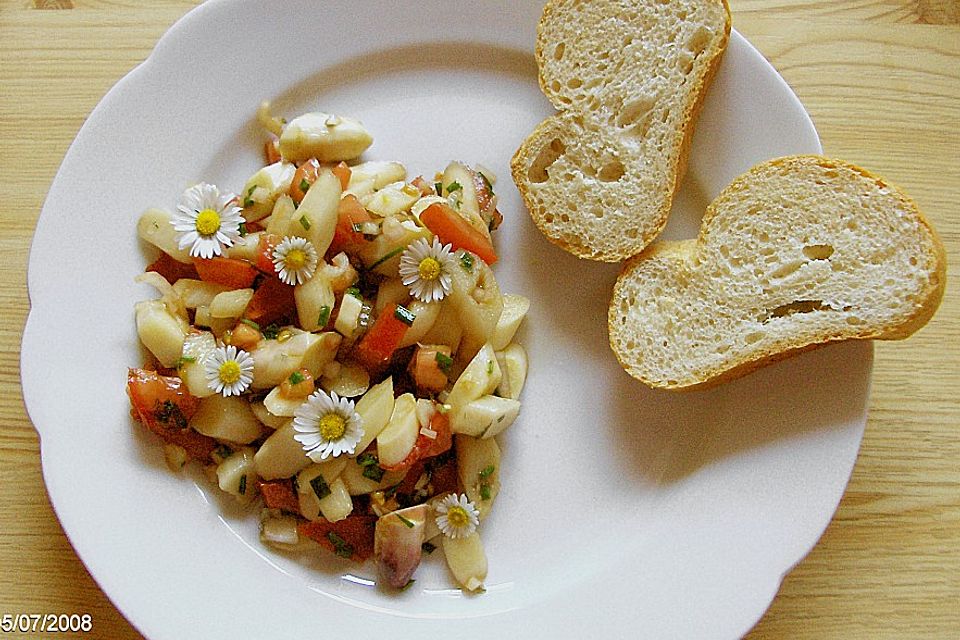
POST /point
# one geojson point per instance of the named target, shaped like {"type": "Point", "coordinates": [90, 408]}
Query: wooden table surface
{"type": "Point", "coordinates": [881, 79]}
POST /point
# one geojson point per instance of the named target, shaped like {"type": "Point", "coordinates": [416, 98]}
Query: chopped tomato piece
{"type": "Point", "coordinates": [272, 301]}
{"type": "Point", "coordinates": [450, 227]}
{"type": "Point", "coordinates": [425, 446]}
{"type": "Point", "coordinates": [429, 366]}
{"type": "Point", "coordinates": [305, 176]}
{"type": "Point", "coordinates": [245, 337]}
{"type": "Point", "coordinates": [271, 150]}
{"type": "Point", "coordinates": [426, 189]}
{"type": "Point", "coordinates": [349, 213]}
{"type": "Point", "coordinates": [172, 270]}
{"type": "Point", "coordinates": [279, 494]}
{"type": "Point", "coordinates": [268, 243]}
{"type": "Point", "coordinates": [488, 204]}
{"type": "Point", "coordinates": [343, 173]}
{"type": "Point", "coordinates": [255, 226]}
{"type": "Point", "coordinates": [381, 340]}
{"type": "Point", "coordinates": [351, 537]}
{"type": "Point", "coordinates": [230, 272]}
{"type": "Point", "coordinates": [164, 406]}
{"type": "Point", "coordinates": [300, 384]}
{"type": "Point", "coordinates": [445, 476]}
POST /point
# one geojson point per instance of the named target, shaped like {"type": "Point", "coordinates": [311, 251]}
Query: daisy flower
{"type": "Point", "coordinates": [457, 516]}
{"type": "Point", "coordinates": [207, 220]}
{"type": "Point", "coordinates": [327, 425]}
{"type": "Point", "coordinates": [295, 259]}
{"type": "Point", "coordinates": [229, 370]}
{"type": "Point", "coordinates": [425, 269]}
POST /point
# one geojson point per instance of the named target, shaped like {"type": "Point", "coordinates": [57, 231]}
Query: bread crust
{"type": "Point", "coordinates": [621, 236]}
{"type": "Point", "coordinates": [685, 256]}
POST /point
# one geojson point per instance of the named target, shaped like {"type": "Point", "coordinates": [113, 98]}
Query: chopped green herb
{"type": "Point", "coordinates": [357, 227]}
{"type": "Point", "coordinates": [168, 414]}
{"type": "Point", "coordinates": [183, 361]}
{"type": "Point", "coordinates": [324, 316]}
{"type": "Point", "coordinates": [389, 255]}
{"type": "Point", "coordinates": [454, 186]}
{"type": "Point", "coordinates": [242, 229]}
{"type": "Point", "coordinates": [304, 185]}
{"type": "Point", "coordinates": [466, 261]}
{"type": "Point", "coordinates": [485, 492]}
{"type": "Point", "coordinates": [320, 487]}
{"type": "Point", "coordinates": [340, 546]}
{"type": "Point", "coordinates": [243, 485]}
{"type": "Point", "coordinates": [438, 187]}
{"type": "Point", "coordinates": [296, 378]}
{"type": "Point", "coordinates": [304, 222]}
{"type": "Point", "coordinates": [222, 451]}
{"type": "Point", "coordinates": [407, 586]}
{"type": "Point", "coordinates": [428, 547]}
{"type": "Point", "coordinates": [444, 361]}
{"type": "Point", "coordinates": [367, 459]}
{"type": "Point", "coordinates": [390, 491]}
{"type": "Point", "coordinates": [248, 201]}
{"type": "Point", "coordinates": [373, 472]}
{"type": "Point", "coordinates": [406, 521]}
{"type": "Point", "coordinates": [371, 466]}
{"type": "Point", "coordinates": [490, 367]}
{"type": "Point", "coordinates": [271, 331]}
{"type": "Point", "coordinates": [250, 323]}
{"type": "Point", "coordinates": [354, 291]}
{"type": "Point", "coordinates": [487, 471]}
{"type": "Point", "coordinates": [486, 182]}
{"type": "Point", "coordinates": [404, 315]}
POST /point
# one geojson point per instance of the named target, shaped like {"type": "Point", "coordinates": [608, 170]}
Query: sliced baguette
{"type": "Point", "coordinates": [628, 79]}
{"type": "Point", "coordinates": [797, 252]}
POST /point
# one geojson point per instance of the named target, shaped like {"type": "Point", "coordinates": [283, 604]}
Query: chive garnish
{"type": "Point", "coordinates": [453, 186]}
{"type": "Point", "coordinates": [341, 547]}
{"type": "Point", "coordinates": [406, 521]}
{"type": "Point", "coordinates": [395, 252]}
{"type": "Point", "coordinates": [320, 487]}
{"type": "Point", "coordinates": [404, 315]}
{"type": "Point", "coordinates": [304, 185]}
{"type": "Point", "coordinates": [444, 361]}
{"type": "Point", "coordinates": [466, 261]}
{"type": "Point", "coordinates": [304, 222]}
{"type": "Point", "coordinates": [296, 378]}
{"type": "Point", "coordinates": [250, 323]}
{"type": "Point", "coordinates": [324, 316]}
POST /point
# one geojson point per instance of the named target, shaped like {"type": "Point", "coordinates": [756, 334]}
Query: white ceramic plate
{"type": "Point", "coordinates": [624, 512]}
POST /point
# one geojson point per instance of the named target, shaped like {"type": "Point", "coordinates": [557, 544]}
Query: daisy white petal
{"type": "Point", "coordinates": [295, 260]}
{"type": "Point", "coordinates": [206, 220]}
{"type": "Point", "coordinates": [425, 269]}
{"type": "Point", "coordinates": [457, 516]}
{"type": "Point", "coordinates": [327, 425]}
{"type": "Point", "coordinates": [229, 370]}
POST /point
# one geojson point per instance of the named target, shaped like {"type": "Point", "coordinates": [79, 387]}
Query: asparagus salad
{"type": "Point", "coordinates": [332, 347]}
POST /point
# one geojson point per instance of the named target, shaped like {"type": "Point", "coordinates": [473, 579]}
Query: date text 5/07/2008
{"type": "Point", "coordinates": [46, 623]}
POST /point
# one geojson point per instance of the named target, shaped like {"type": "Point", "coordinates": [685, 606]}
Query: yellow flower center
{"type": "Point", "coordinates": [332, 426]}
{"type": "Point", "coordinates": [229, 372]}
{"type": "Point", "coordinates": [429, 268]}
{"type": "Point", "coordinates": [457, 516]}
{"type": "Point", "coordinates": [295, 259]}
{"type": "Point", "coordinates": [208, 222]}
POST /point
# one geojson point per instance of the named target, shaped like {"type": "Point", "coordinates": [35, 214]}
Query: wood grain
{"type": "Point", "coordinates": [881, 79]}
